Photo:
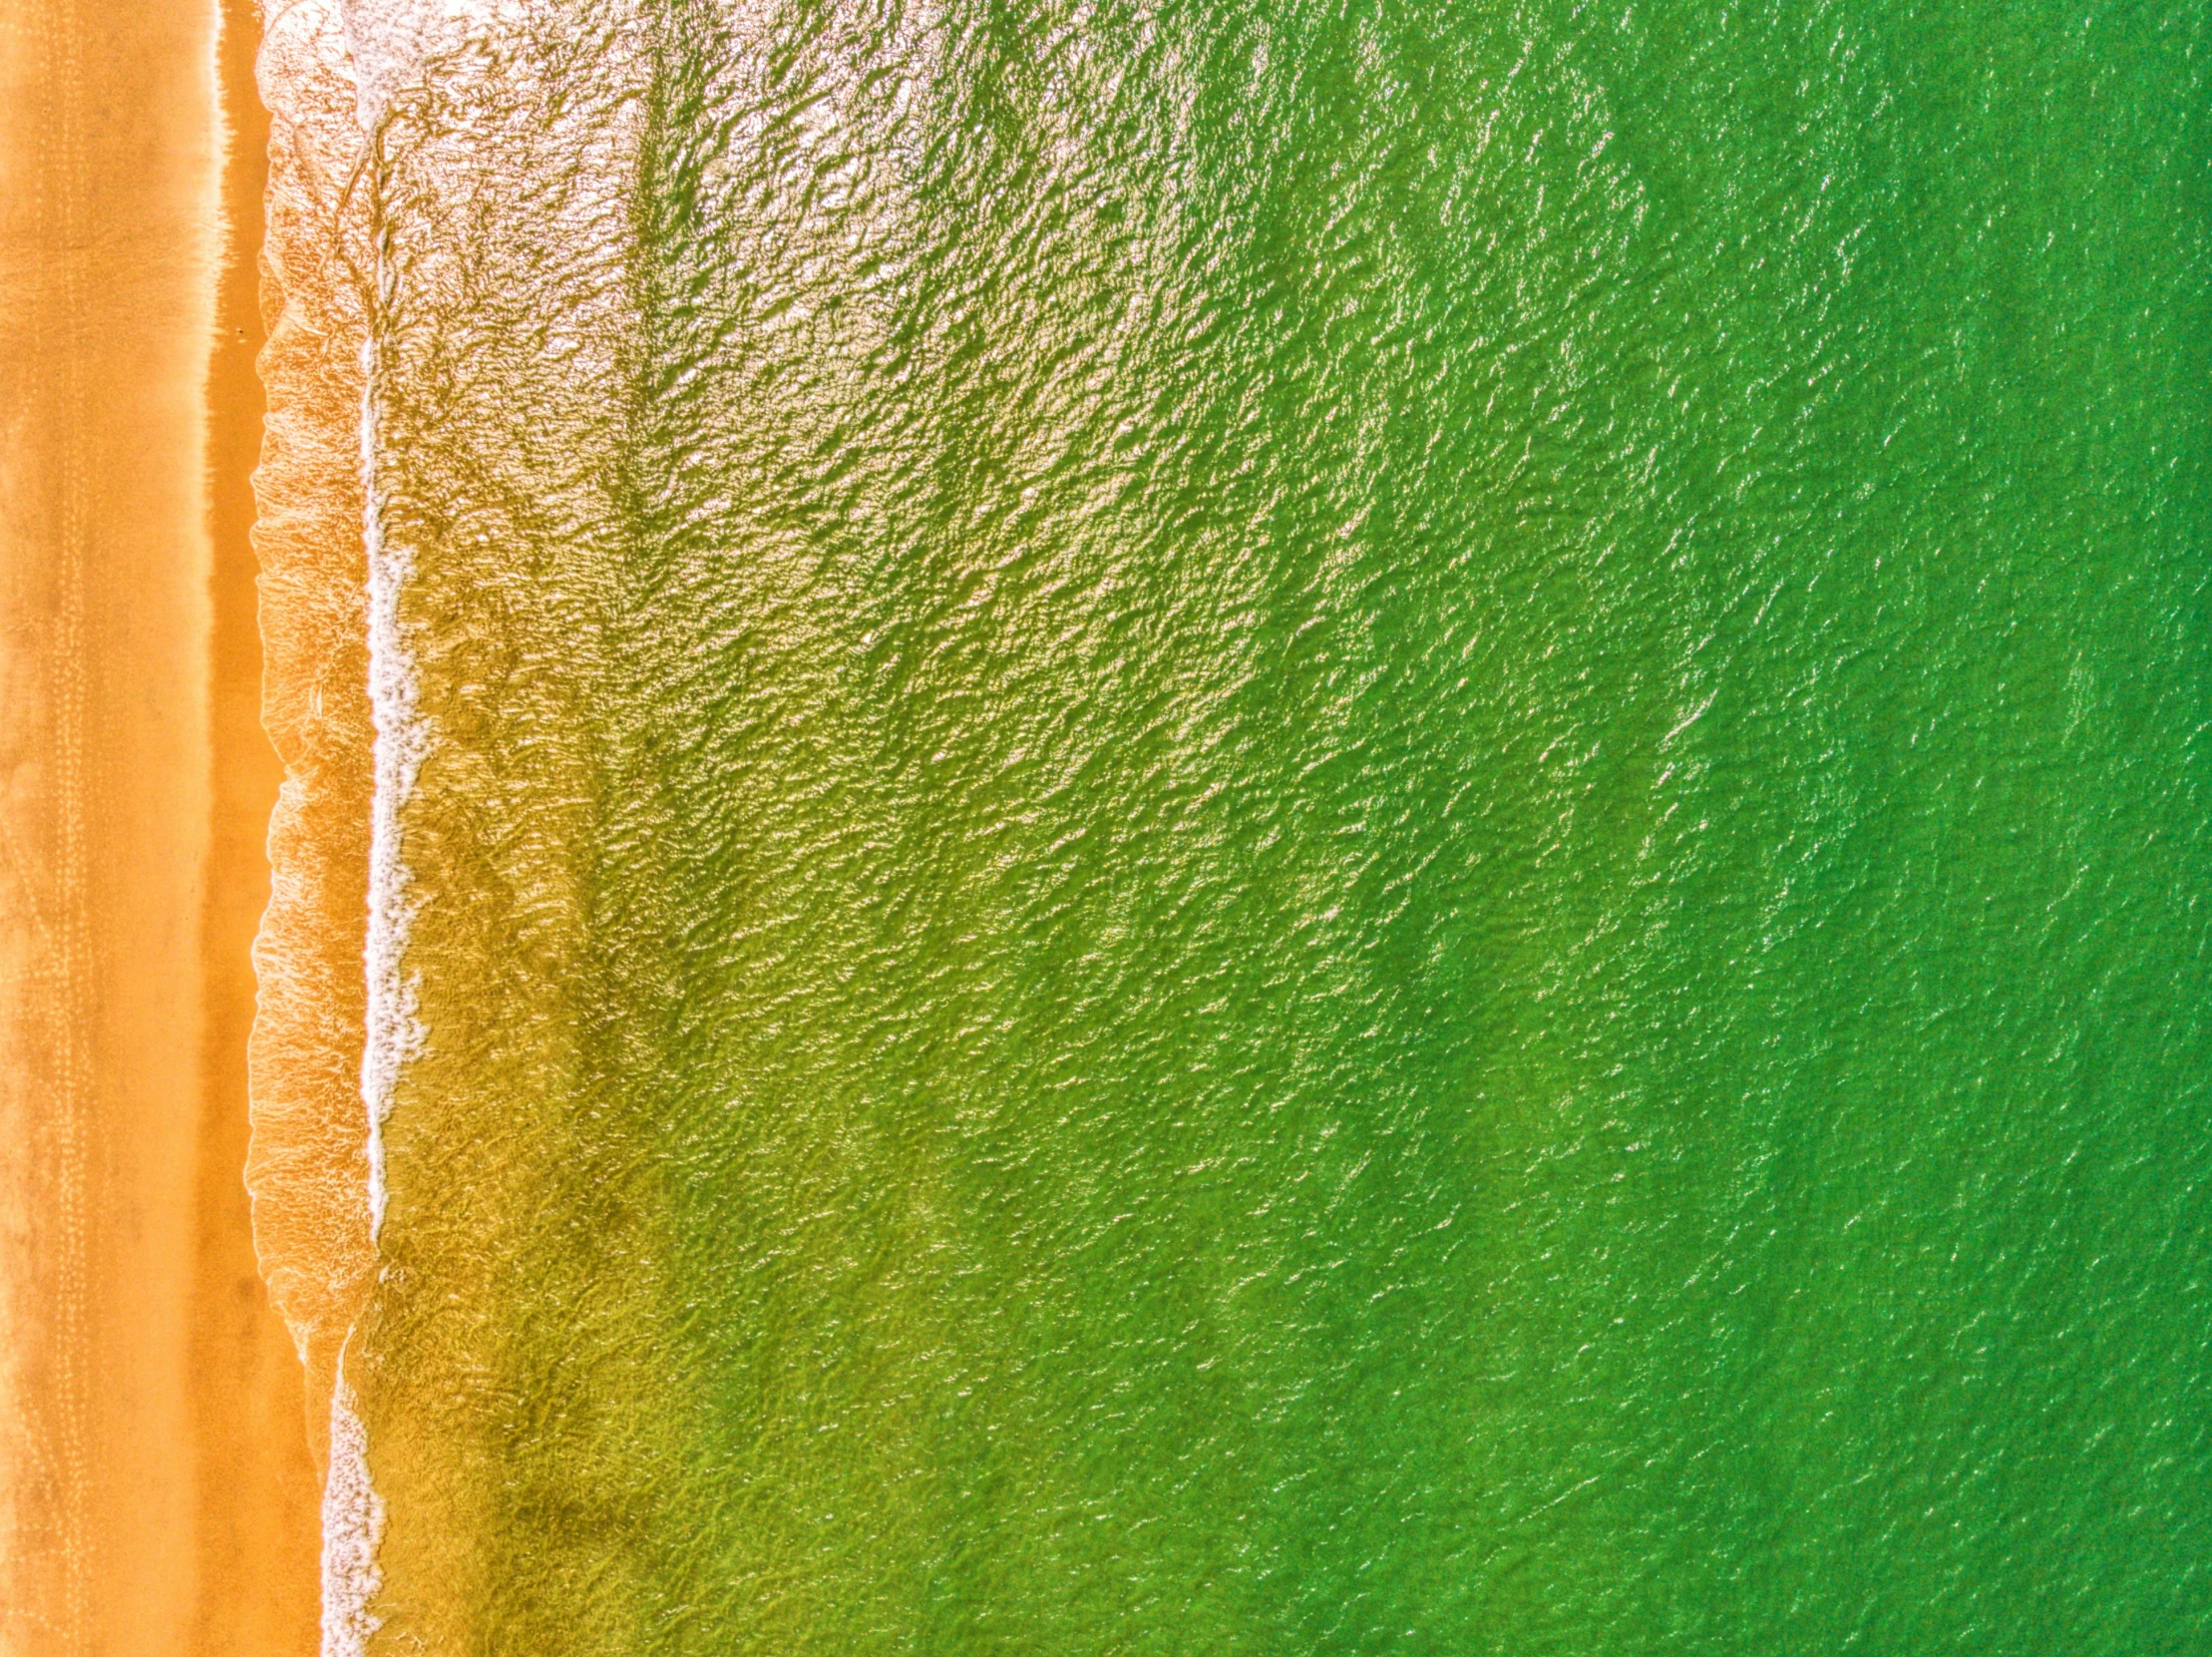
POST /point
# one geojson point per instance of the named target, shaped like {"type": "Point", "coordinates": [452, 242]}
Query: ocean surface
{"type": "Point", "coordinates": [1333, 827]}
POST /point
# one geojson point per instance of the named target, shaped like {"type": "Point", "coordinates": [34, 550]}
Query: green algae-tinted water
{"type": "Point", "coordinates": [1302, 829]}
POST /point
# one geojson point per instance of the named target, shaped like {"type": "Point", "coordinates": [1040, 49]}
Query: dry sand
{"type": "Point", "coordinates": [156, 1491]}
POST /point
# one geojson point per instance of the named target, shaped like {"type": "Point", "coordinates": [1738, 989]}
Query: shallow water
{"type": "Point", "coordinates": [1293, 829]}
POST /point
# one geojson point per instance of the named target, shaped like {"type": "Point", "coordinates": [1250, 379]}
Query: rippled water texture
{"type": "Point", "coordinates": [1294, 829]}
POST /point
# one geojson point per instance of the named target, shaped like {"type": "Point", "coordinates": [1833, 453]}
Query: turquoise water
{"type": "Point", "coordinates": [1306, 829]}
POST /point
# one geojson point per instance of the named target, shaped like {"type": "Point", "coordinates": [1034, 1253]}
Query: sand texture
{"type": "Point", "coordinates": [155, 1495]}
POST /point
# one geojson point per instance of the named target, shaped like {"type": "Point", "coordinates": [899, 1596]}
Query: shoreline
{"type": "Point", "coordinates": [307, 1164]}
{"type": "Point", "coordinates": [156, 1491]}
{"type": "Point", "coordinates": [260, 1487]}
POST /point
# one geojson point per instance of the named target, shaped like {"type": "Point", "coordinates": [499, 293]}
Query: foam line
{"type": "Point", "coordinates": [391, 40]}
{"type": "Point", "coordinates": [394, 1032]}
{"type": "Point", "coordinates": [353, 1526]}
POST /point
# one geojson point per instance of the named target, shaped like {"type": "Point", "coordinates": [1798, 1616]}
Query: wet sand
{"type": "Point", "coordinates": [155, 1493]}
{"type": "Point", "coordinates": [260, 1492]}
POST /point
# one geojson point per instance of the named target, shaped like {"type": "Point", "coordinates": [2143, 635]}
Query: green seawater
{"type": "Point", "coordinates": [1316, 828]}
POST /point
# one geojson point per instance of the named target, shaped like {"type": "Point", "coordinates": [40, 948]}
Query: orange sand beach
{"type": "Point", "coordinates": [157, 1488]}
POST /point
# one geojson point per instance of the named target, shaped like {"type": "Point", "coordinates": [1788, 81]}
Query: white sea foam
{"type": "Point", "coordinates": [388, 41]}
{"type": "Point", "coordinates": [395, 1034]}
{"type": "Point", "coordinates": [352, 1526]}
{"type": "Point", "coordinates": [391, 41]}
{"type": "Point", "coordinates": [352, 1512]}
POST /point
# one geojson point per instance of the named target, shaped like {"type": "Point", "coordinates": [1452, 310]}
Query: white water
{"type": "Point", "coordinates": [394, 1034]}
{"type": "Point", "coordinates": [391, 40]}
{"type": "Point", "coordinates": [352, 1526]}
{"type": "Point", "coordinates": [388, 41]}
